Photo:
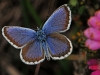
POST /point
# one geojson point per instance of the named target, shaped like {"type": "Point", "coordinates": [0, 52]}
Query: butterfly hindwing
{"type": "Point", "coordinates": [32, 53]}
{"type": "Point", "coordinates": [18, 36]}
{"type": "Point", "coordinates": [59, 21]}
{"type": "Point", "coordinates": [59, 46]}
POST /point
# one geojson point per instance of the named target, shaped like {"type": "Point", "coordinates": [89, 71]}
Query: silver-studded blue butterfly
{"type": "Point", "coordinates": [47, 42]}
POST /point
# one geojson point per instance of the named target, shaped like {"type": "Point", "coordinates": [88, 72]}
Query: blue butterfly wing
{"type": "Point", "coordinates": [59, 21]}
{"type": "Point", "coordinates": [32, 53]}
{"type": "Point", "coordinates": [59, 46]}
{"type": "Point", "coordinates": [18, 36]}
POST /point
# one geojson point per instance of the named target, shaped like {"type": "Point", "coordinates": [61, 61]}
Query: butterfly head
{"type": "Point", "coordinates": [41, 36]}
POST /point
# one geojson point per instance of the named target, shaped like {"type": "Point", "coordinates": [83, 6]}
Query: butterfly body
{"type": "Point", "coordinates": [41, 36]}
{"type": "Point", "coordinates": [47, 42]}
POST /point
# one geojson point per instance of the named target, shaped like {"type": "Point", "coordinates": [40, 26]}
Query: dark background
{"type": "Point", "coordinates": [32, 14]}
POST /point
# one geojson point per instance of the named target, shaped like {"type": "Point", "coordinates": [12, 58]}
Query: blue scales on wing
{"type": "Point", "coordinates": [59, 46]}
{"type": "Point", "coordinates": [18, 36]}
{"type": "Point", "coordinates": [32, 53]}
{"type": "Point", "coordinates": [59, 21]}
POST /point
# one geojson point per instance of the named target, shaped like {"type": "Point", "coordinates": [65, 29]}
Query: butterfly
{"type": "Point", "coordinates": [46, 42]}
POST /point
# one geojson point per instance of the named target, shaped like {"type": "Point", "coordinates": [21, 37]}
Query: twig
{"type": "Point", "coordinates": [75, 57]}
{"type": "Point", "coordinates": [10, 69]}
{"type": "Point", "coordinates": [37, 69]}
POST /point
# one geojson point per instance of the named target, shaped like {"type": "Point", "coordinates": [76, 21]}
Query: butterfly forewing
{"type": "Point", "coordinates": [18, 36]}
{"type": "Point", "coordinates": [59, 21]}
{"type": "Point", "coordinates": [59, 46]}
{"type": "Point", "coordinates": [32, 53]}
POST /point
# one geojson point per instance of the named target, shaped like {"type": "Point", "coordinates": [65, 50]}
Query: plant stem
{"type": "Point", "coordinates": [37, 69]}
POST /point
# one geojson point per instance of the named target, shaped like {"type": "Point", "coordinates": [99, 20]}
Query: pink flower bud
{"type": "Point", "coordinates": [92, 45]}
{"type": "Point", "coordinates": [97, 72]}
{"type": "Point", "coordinates": [92, 62]}
{"type": "Point", "coordinates": [97, 14]}
{"type": "Point", "coordinates": [93, 67]}
{"type": "Point", "coordinates": [94, 22]}
{"type": "Point", "coordinates": [92, 33]}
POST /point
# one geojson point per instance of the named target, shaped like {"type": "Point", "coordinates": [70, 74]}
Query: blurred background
{"type": "Point", "coordinates": [32, 14]}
